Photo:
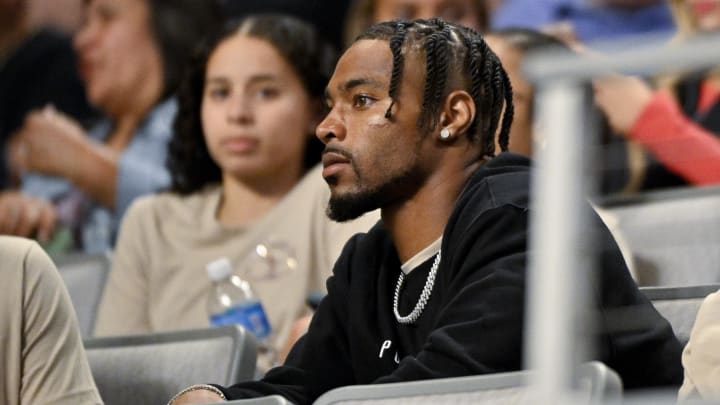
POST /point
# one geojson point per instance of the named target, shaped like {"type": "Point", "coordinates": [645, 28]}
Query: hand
{"type": "Point", "coordinates": [622, 99]}
{"type": "Point", "coordinates": [48, 143]}
{"type": "Point", "coordinates": [565, 32]}
{"type": "Point", "coordinates": [26, 216]}
{"type": "Point", "coordinates": [197, 397]}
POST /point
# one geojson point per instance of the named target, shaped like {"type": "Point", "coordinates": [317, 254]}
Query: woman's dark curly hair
{"type": "Point", "coordinates": [189, 160]}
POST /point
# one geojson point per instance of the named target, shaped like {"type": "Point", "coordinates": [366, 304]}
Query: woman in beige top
{"type": "Point", "coordinates": [41, 352]}
{"type": "Point", "coordinates": [239, 158]}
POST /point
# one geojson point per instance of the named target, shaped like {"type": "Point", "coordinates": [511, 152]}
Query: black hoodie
{"type": "Point", "coordinates": [473, 321]}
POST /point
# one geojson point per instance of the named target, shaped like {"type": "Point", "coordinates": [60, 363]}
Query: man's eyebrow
{"type": "Point", "coordinates": [353, 83]}
{"type": "Point", "coordinates": [363, 81]}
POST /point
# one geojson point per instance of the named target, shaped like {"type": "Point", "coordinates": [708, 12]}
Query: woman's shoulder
{"type": "Point", "coordinates": [170, 205]}
{"type": "Point", "coordinates": [15, 247]}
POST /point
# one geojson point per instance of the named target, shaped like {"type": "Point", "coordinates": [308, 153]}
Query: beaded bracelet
{"type": "Point", "coordinates": [196, 387]}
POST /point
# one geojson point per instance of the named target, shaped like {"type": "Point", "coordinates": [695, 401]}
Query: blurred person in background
{"type": "Point", "coordinates": [41, 355]}
{"type": "Point", "coordinates": [512, 45]}
{"type": "Point", "coordinates": [679, 123]}
{"type": "Point", "coordinates": [60, 15]}
{"type": "Point", "coordinates": [587, 21]}
{"type": "Point", "coordinates": [363, 13]}
{"type": "Point", "coordinates": [131, 54]}
{"type": "Point", "coordinates": [37, 67]}
{"type": "Point", "coordinates": [243, 162]}
{"type": "Point", "coordinates": [325, 15]}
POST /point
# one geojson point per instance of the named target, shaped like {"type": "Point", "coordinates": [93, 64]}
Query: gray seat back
{"type": "Point", "coordinates": [679, 305]}
{"type": "Point", "coordinates": [150, 369]}
{"type": "Point", "coordinates": [597, 384]}
{"type": "Point", "coordinates": [85, 276]}
{"type": "Point", "coordinates": [674, 236]}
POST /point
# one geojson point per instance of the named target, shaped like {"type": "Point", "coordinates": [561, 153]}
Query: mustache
{"type": "Point", "coordinates": [342, 152]}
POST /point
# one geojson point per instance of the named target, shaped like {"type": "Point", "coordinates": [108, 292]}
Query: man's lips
{"type": "Point", "coordinates": [333, 162]}
{"type": "Point", "coordinates": [333, 158]}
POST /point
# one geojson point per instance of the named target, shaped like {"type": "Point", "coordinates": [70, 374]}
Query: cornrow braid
{"type": "Point", "coordinates": [474, 59]}
{"type": "Point", "coordinates": [451, 49]}
{"type": "Point", "coordinates": [504, 136]}
{"type": "Point", "coordinates": [437, 51]}
{"type": "Point", "coordinates": [396, 43]}
{"type": "Point", "coordinates": [487, 99]}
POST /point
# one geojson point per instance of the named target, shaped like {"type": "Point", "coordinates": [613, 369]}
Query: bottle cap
{"type": "Point", "coordinates": [219, 269]}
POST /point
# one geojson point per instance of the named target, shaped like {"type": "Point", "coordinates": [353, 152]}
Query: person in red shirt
{"type": "Point", "coordinates": [678, 124]}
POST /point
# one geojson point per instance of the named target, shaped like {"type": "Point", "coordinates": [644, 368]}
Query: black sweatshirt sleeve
{"type": "Point", "coordinates": [479, 329]}
{"type": "Point", "coordinates": [320, 360]}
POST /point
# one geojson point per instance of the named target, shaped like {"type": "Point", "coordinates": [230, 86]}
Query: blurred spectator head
{"type": "Point", "coordinates": [512, 45]}
{"type": "Point", "coordinates": [60, 15]}
{"type": "Point", "coordinates": [129, 46]}
{"type": "Point", "coordinates": [694, 16]}
{"type": "Point", "coordinates": [364, 13]}
{"type": "Point", "coordinates": [327, 16]}
{"type": "Point", "coordinates": [262, 78]}
{"type": "Point", "coordinates": [11, 15]}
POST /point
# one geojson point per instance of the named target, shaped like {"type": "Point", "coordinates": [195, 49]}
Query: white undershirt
{"type": "Point", "coordinates": [420, 258]}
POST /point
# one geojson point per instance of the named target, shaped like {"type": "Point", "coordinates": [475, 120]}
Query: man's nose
{"type": "Point", "coordinates": [329, 128]}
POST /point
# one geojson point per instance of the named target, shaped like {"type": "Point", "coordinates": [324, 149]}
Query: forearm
{"type": "Point", "coordinates": [683, 146]}
{"type": "Point", "coordinates": [96, 172]}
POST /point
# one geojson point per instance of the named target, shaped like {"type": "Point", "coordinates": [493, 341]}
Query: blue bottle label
{"type": "Point", "coordinates": [250, 315]}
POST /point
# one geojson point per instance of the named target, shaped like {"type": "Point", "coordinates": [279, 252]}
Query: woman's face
{"type": "Point", "coordinates": [256, 114]}
{"type": "Point", "coordinates": [119, 59]}
{"type": "Point", "coordinates": [705, 13]}
{"type": "Point", "coordinates": [521, 131]}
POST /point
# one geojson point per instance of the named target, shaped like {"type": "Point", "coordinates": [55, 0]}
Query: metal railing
{"type": "Point", "coordinates": [556, 299]}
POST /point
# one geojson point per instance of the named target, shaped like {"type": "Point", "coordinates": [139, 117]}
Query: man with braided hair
{"type": "Point", "coordinates": [437, 287]}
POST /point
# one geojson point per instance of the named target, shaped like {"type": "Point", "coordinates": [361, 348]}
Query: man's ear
{"type": "Point", "coordinates": [456, 116]}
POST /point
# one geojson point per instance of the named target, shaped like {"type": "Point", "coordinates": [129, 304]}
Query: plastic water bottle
{"type": "Point", "coordinates": [232, 301]}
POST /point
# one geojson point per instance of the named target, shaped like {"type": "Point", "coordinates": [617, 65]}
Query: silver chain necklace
{"type": "Point", "coordinates": [424, 296]}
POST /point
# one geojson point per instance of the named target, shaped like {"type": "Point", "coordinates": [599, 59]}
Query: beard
{"type": "Point", "coordinates": [398, 187]}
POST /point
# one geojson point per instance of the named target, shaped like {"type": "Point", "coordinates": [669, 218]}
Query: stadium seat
{"type": "Point", "coordinates": [597, 384]}
{"type": "Point", "coordinates": [85, 276]}
{"type": "Point", "coordinates": [674, 236]}
{"type": "Point", "coordinates": [150, 369]}
{"type": "Point", "coordinates": [679, 305]}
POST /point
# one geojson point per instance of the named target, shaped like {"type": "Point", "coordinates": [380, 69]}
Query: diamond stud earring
{"type": "Point", "coordinates": [445, 133]}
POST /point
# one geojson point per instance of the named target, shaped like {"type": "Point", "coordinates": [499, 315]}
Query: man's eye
{"type": "Point", "coordinates": [362, 101]}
